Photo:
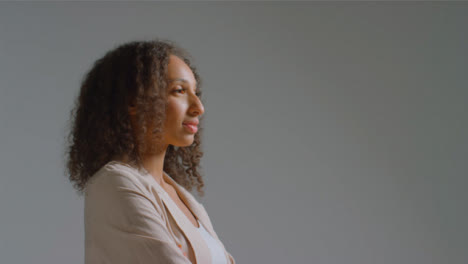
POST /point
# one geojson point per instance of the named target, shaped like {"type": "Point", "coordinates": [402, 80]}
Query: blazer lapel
{"type": "Point", "coordinates": [201, 250]}
{"type": "Point", "coordinates": [199, 212]}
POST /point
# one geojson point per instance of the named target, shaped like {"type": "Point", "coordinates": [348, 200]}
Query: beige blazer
{"type": "Point", "coordinates": [130, 219]}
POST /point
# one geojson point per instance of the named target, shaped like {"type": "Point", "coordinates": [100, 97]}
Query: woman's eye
{"type": "Point", "coordinates": [183, 89]}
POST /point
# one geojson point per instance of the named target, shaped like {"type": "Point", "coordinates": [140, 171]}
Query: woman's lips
{"type": "Point", "coordinates": [191, 128]}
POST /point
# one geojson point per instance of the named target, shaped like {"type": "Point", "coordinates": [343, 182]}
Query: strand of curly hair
{"type": "Point", "coordinates": [101, 130]}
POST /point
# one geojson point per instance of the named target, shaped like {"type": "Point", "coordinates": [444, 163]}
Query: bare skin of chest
{"type": "Point", "coordinates": [175, 197]}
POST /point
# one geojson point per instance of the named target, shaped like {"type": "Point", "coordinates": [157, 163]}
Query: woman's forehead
{"type": "Point", "coordinates": [179, 71]}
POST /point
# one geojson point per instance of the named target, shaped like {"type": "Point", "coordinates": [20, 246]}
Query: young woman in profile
{"type": "Point", "coordinates": [134, 152]}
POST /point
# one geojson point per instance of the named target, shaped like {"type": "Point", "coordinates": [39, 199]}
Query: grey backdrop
{"type": "Point", "coordinates": [335, 132]}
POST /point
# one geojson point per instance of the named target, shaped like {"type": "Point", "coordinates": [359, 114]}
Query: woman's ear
{"type": "Point", "coordinates": [132, 109]}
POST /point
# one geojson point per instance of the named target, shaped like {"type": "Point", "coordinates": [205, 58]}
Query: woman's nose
{"type": "Point", "coordinates": [197, 107]}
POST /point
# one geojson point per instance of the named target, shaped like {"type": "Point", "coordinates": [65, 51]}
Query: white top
{"type": "Point", "coordinates": [217, 252]}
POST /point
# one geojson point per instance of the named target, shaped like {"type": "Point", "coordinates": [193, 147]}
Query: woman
{"type": "Point", "coordinates": [135, 151]}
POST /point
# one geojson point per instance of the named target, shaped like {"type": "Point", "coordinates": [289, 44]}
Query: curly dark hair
{"type": "Point", "coordinates": [133, 73]}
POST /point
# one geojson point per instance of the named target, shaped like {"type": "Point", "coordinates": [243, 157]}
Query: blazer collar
{"type": "Point", "coordinates": [200, 248]}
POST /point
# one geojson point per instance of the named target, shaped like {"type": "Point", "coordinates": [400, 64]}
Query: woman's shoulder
{"type": "Point", "coordinates": [114, 175]}
{"type": "Point", "coordinates": [118, 185]}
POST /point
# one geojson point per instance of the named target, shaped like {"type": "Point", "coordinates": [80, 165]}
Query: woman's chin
{"type": "Point", "coordinates": [185, 143]}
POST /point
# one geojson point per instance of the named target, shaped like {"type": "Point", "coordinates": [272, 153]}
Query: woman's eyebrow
{"type": "Point", "coordinates": [180, 80]}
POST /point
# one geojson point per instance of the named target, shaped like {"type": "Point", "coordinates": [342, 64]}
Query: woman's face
{"type": "Point", "coordinates": [183, 104]}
